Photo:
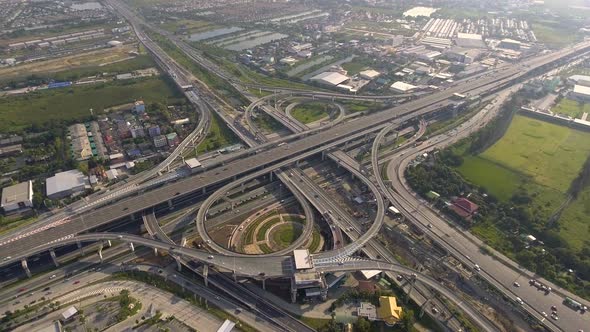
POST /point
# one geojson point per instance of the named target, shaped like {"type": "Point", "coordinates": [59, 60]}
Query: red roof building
{"type": "Point", "coordinates": [464, 207]}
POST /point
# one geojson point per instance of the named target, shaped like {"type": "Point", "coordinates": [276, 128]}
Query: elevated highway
{"type": "Point", "coordinates": [296, 150]}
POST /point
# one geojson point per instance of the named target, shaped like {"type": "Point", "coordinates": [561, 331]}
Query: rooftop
{"type": "Point", "coordinates": [402, 86]}
{"type": "Point", "coordinates": [329, 77]}
{"type": "Point", "coordinates": [192, 163]}
{"type": "Point", "coordinates": [17, 193]}
{"type": "Point", "coordinates": [65, 181]}
{"type": "Point", "coordinates": [302, 259]}
{"type": "Point", "coordinates": [388, 310]}
{"type": "Point", "coordinates": [583, 90]}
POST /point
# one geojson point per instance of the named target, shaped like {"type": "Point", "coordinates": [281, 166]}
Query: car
{"type": "Point", "coordinates": [519, 300]}
{"type": "Point", "coordinates": [476, 267]}
{"type": "Point", "coordinates": [120, 236]}
{"type": "Point", "coordinates": [208, 241]}
{"type": "Point", "coordinates": [46, 289]}
{"type": "Point", "coordinates": [6, 258]}
{"type": "Point", "coordinates": [210, 257]}
{"type": "Point", "coordinates": [52, 276]}
{"type": "Point", "coordinates": [399, 277]}
{"type": "Point", "coordinates": [22, 290]}
{"type": "Point", "coordinates": [554, 316]}
{"type": "Point", "coordinates": [76, 282]}
{"type": "Point", "coordinates": [429, 225]}
{"type": "Point", "coordinates": [544, 314]}
{"type": "Point", "coordinates": [553, 308]}
{"type": "Point", "coordinates": [516, 284]}
{"type": "Point", "coordinates": [340, 263]}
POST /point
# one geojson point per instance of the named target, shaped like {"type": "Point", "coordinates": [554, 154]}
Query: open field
{"type": "Point", "coordinates": [69, 104]}
{"type": "Point", "coordinates": [285, 234]}
{"type": "Point", "coordinates": [554, 35]}
{"type": "Point", "coordinates": [310, 112]}
{"type": "Point", "coordinates": [191, 26]}
{"type": "Point", "coordinates": [571, 107]}
{"type": "Point", "coordinates": [540, 159]}
{"type": "Point", "coordinates": [86, 60]}
{"type": "Point", "coordinates": [551, 154]}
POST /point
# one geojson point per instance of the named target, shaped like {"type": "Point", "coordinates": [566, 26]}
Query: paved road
{"type": "Point", "coordinates": [501, 273]}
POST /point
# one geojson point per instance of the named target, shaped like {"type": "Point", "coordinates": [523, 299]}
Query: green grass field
{"type": "Point", "coordinates": [553, 34]}
{"type": "Point", "coordinates": [69, 104]}
{"type": "Point", "coordinates": [353, 68]}
{"type": "Point", "coordinates": [571, 107]}
{"type": "Point", "coordinates": [310, 112]}
{"type": "Point", "coordinates": [219, 136]}
{"type": "Point", "coordinates": [541, 159]}
{"type": "Point", "coordinates": [286, 234]}
{"type": "Point", "coordinates": [264, 228]}
{"type": "Point", "coordinates": [551, 154]}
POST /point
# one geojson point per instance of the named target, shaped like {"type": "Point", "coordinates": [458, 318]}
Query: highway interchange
{"type": "Point", "coordinates": [273, 157]}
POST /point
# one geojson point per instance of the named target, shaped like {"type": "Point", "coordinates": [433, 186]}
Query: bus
{"type": "Point", "coordinates": [572, 303]}
{"type": "Point", "coordinates": [393, 211]}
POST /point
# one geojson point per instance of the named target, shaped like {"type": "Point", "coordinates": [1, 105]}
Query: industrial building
{"type": "Point", "coordinates": [388, 311]}
{"type": "Point", "coordinates": [65, 184]}
{"type": "Point", "coordinates": [17, 197]}
{"type": "Point", "coordinates": [402, 87]}
{"type": "Point", "coordinates": [580, 93]}
{"type": "Point", "coordinates": [369, 74]}
{"type": "Point", "coordinates": [470, 40]}
{"type": "Point", "coordinates": [330, 78]}
{"type": "Point", "coordinates": [510, 44]}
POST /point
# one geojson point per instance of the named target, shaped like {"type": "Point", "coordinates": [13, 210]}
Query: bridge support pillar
{"type": "Point", "coordinates": [26, 267]}
{"type": "Point", "coordinates": [100, 253]}
{"type": "Point", "coordinates": [206, 274]}
{"type": "Point", "coordinates": [323, 155]}
{"type": "Point", "coordinates": [293, 295]}
{"type": "Point", "coordinates": [264, 283]}
{"type": "Point", "coordinates": [204, 190]}
{"type": "Point", "coordinates": [183, 242]}
{"type": "Point", "coordinates": [178, 264]}
{"type": "Point", "coordinates": [155, 251]}
{"type": "Point", "coordinates": [53, 257]}
{"type": "Point", "coordinates": [270, 176]}
{"type": "Point", "coordinates": [131, 246]}
{"type": "Point", "coordinates": [242, 187]}
{"type": "Point", "coordinates": [170, 205]}
{"type": "Point", "coordinates": [233, 272]}
{"type": "Point", "coordinates": [324, 294]}
{"type": "Point", "coordinates": [79, 244]}
{"type": "Point", "coordinates": [109, 244]}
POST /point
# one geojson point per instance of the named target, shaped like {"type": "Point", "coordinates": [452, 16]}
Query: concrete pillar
{"type": "Point", "coordinates": [324, 294]}
{"type": "Point", "coordinates": [264, 283]}
{"type": "Point", "coordinates": [131, 246]}
{"type": "Point", "coordinates": [204, 190]}
{"type": "Point", "coordinates": [323, 155]}
{"type": "Point", "coordinates": [178, 264]}
{"type": "Point", "coordinates": [155, 251]}
{"type": "Point", "coordinates": [109, 244]}
{"type": "Point", "coordinates": [270, 176]}
{"type": "Point", "coordinates": [170, 205]}
{"type": "Point", "coordinates": [242, 187]}
{"type": "Point", "coordinates": [206, 275]}
{"type": "Point", "coordinates": [26, 267]}
{"type": "Point", "coordinates": [100, 253]}
{"type": "Point", "coordinates": [235, 276]}
{"type": "Point", "coordinates": [293, 295]}
{"type": "Point", "coordinates": [79, 244]}
{"type": "Point", "coordinates": [53, 257]}
{"type": "Point", "coordinates": [183, 242]}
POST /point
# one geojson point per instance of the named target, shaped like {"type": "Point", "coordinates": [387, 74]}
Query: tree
{"type": "Point", "coordinates": [362, 325]}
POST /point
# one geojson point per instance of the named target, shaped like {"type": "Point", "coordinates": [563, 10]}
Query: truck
{"type": "Point", "coordinates": [572, 303]}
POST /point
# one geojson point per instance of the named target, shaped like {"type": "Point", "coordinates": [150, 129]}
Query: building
{"type": "Point", "coordinates": [580, 93]}
{"type": "Point", "coordinates": [193, 164]}
{"type": "Point", "coordinates": [160, 141]}
{"type": "Point", "coordinates": [303, 259]}
{"type": "Point", "coordinates": [579, 79]}
{"type": "Point", "coordinates": [402, 87]}
{"type": "Point", "coordinates": [112, 174]}
{"type": "Point", "coordinates": [65, 184]}
{"type": "Point", "coordinates": [469, 40]}
{"type": "Point", "coordinates": [510, 44]}
{"type": "Point", "coordinates": [173, 139]}
{"type": "Point", "coordinates": [369, 74]}
{"type": "Point", "coordinates": [137, 131]}
{"type": "Point", "coordinates": [17, 197]}
{"type": "Point", "coordinates": [51, 327]}
{"type": "Point", "coordinates": [330, 78]}
{"type": "Point", "coordinates": [367, 310]}
{"type": "Point", "coordinates": [389, 312]}
{"type": "Point", "coordinates": [138, 107]}
{"type": "Point", "coordinates": [69, 314]}
{"type": "Point", "coordinates": [11, 150]}
{"type": "Point", "coordinates": [79, 142]}
{"type": "Point", "coordinates": [464, 207]}
{"type": "Point", "coordinates": [154, 130]}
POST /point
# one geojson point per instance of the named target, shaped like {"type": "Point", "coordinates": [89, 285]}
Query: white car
{"type": "Point", "coordinates": [516, 284]}
{"type": "Point", "coordinates": [519, 300]}
{"type": "Point", "coordinates": [476, 267]}
{"type": "Point", "coordinates": [544, 314]}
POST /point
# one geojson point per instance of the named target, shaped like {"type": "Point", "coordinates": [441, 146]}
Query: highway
{"type": "Point", "coordinates": [501, 273]}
